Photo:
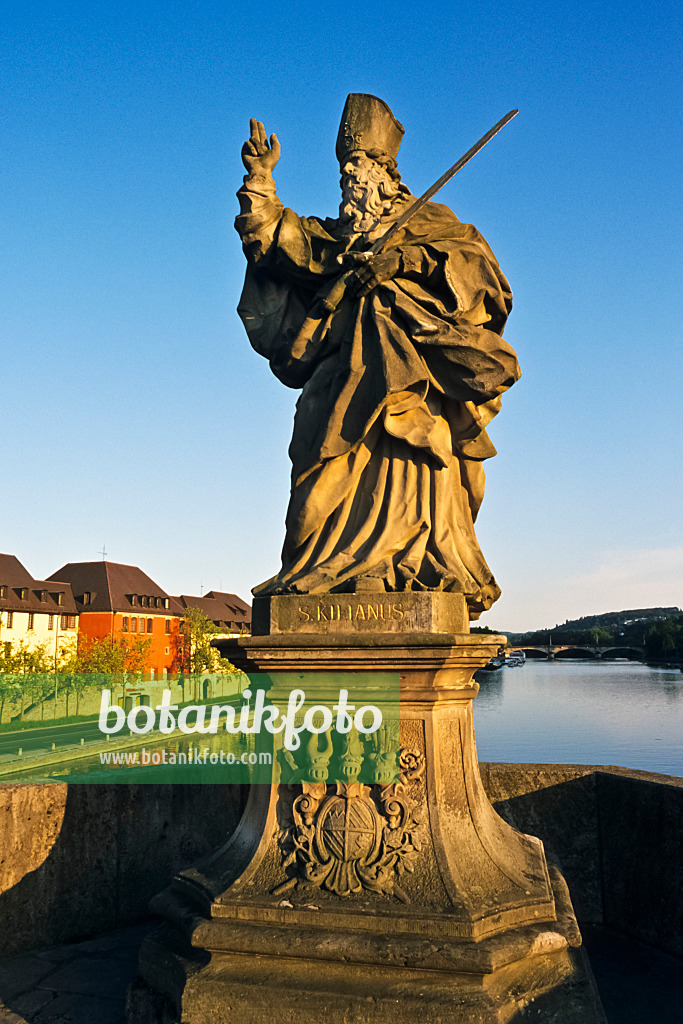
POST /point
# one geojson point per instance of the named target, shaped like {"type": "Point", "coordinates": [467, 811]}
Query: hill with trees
{"type": "Point", "coordinates": [658, 630]}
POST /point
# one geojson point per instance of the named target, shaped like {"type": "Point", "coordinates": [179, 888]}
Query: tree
{"type": "Point", "coordinates": [192, 650]}
{"type": "Point", "coordinates": [663, 638]}
{"type": "Point", "coordinates": [10, 668]}
{"type": "Point", "coordinates": [32, 675]}
{"type": "Point", "coordinates": [24, 676]}
{"type": "Point", "coordinates": [110, 659]}
{"type": "Point", "coordinates": [600, 636]}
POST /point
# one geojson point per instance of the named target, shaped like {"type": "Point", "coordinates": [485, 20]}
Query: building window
{"type": "Point", "coordinates": [60, 598]}
{"type": "Point", "coordinates": [43, 595]}
{"type": "Point", "coordinates": [86, 597]}
{"type": "Point", "coordinates": [50, 622]}
{"type": "Point", "coordinates": [164, 672]}
{"type": "Point", "coordinates": [166, 651]}
{"type": "Point", "coordinates": [134, 625]}
{"type": "Point", "coordinates": [133, 598]}
{"type": "Point", "coordinates": [168, 625]}
{"type": "Point", "coordinates": [10, 620]}
{"type": "Point", "coordinates": [68, 621]}
{"type": "Point", "coordinates": [31, 620]}
{"type": "Point", "coordinates": [3, 591]}
{"type": "Point", "coordinates": [23, 593]}
{"type": "Point", "coordinates": [150, 625]}
{"type": "Point", "coordinates": [165, 602]}
{"type": "Point", "coordinates": [124, 624]}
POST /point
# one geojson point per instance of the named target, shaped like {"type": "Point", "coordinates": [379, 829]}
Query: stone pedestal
{"type": "Point", "coordinates": [371, 903]}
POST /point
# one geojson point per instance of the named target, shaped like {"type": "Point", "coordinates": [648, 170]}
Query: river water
{"type": "Point", "coordinates": [582, 712]}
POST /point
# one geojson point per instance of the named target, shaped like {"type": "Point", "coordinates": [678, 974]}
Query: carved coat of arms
{"type": "Point", "coordinates": [351, 836]}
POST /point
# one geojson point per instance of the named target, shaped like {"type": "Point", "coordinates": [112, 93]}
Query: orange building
{"type": "Point", "coordinates": [122, 601]}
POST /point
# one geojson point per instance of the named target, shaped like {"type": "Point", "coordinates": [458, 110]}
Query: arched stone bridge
{"type": "Point", "coordinates": [552, 651]}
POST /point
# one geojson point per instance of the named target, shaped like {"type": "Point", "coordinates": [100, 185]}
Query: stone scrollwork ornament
{"type": "Point", "coordinates": [353, 837]}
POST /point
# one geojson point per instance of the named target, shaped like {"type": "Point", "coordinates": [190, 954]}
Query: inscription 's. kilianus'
{"type": "Point", "coordinates": [366, 612]}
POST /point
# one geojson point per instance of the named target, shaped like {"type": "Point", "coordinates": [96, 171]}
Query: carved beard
{"type": "Point", "coordinates": [366, 195]}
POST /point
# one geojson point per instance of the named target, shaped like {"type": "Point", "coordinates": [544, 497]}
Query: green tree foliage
{"type": "Point", "coordinates": [619, 628]}
{"type": "Point", "coordinates": [192, 650]}
{"type": "Point", "coordinates": [103, 661]}
{"type": "Point", "coordinates": [25, 676]}
{"type": "Point", "coordinates": [119, 655]}
{"type": "Point", "coordinates": [600, 636]}
{"type": "Point", "coordinates": [664, 639]}
{"type": "Point", "coordinates": [32, 676]}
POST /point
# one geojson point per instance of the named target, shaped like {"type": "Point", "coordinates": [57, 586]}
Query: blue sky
{"type": "Point", "coordinates": [133, 411]}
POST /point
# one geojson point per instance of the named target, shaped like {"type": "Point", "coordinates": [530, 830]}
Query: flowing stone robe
{"type": "Point", "coordinates": [397, 389]}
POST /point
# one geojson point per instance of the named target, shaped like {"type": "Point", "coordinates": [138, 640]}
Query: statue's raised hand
{"type": "Point", "coordinates": [257, 155]}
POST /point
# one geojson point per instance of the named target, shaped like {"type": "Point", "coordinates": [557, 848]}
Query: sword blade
{"type": "Point", "coordinates": [433, 189]}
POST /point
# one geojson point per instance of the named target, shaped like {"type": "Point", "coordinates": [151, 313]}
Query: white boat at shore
{"type": "Point", "coordinates": [515, 659]}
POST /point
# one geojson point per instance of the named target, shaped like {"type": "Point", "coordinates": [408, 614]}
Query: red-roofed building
{"type": "Point", "coordinates": [34, 613]}
{"type": "Point", "coordinates": [228, 612]}
{"type": "Point", "coordinates": [121, 600]}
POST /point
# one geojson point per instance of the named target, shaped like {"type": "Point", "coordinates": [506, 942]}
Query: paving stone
{"type": "Point", "coordinates": [637, 983]}
{"type": "Point", "coordinates": [30, 1003]}
{"type": "Point", "coordinates": [54, 954]}
{"type": "Point", "coordinates": [74, 984]}
{"type": "Point", "coordinates": [125, 940]}
{"type": "Point", "coordinates": [79, 1009]}
{"type": "Point", "coordinates": [21, 974]}
{"type": "Point", "coordinates": [93, 976]}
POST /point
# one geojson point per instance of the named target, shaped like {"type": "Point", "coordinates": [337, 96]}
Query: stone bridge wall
{"type": "Point", "coordinates": [81, 859]}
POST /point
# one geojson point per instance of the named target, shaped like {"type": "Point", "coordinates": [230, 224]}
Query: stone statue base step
{"type": "Point", "coordinates": [283, 975]}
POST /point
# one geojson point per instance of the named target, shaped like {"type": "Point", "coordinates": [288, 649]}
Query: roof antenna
{"type": "Point", "coordinates": [103, 552]}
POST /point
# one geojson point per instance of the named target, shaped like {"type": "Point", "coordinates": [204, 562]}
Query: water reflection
{"type": "Point", "coordinates": [491, 686]}
{"type": "Point", "coordinates": [583, 712]}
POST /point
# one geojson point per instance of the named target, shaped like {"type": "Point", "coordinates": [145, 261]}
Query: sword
{"type": "Point", "coordinates": [328, 302]}
{"type": "Point", "coordinates": [377, 246]}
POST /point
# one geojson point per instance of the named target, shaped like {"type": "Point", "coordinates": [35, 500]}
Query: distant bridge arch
{"type": "Point", "coordinates": [575, 652]}
{"type": "Point", "coordinates": [632, 653]}
{"type": "Point", "coordinates": [551, 652]}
